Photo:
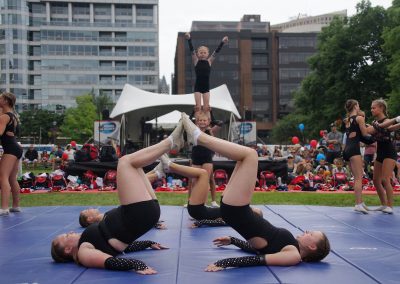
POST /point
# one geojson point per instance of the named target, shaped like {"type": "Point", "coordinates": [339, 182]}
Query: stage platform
{"type": "Point", "coordinates": [365, 249]}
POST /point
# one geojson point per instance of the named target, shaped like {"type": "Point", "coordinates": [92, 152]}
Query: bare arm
{"type": "Point", "coordinates": [90, 257]}
{"type": "Point", "coordinates": [288, 256]}
{"type": "Point", "coordinates": [388, 122]}
{"type": "Point", "coordinates": [361, 123]}
{"type": "Point", "coordinates": [394, 127]}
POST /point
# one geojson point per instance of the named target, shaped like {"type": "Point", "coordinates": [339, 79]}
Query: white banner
{"type": "Point", "coordinates": [244, 133]}
{"type": "Point", "coordinates": [106, 130]}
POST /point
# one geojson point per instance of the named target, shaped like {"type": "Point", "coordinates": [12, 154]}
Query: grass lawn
{"type": "Point", "coordinates": [169, 198]}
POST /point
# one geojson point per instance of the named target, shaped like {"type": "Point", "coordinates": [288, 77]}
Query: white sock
{"type": "Point", "coordinates": [196, 135]}
{"type": "Point", "coordinates": [172, 141]}
{"type": "Point", "coordinates": [159, 175]}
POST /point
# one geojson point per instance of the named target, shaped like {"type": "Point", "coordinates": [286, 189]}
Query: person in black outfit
{"type": "Point", "coordinates": [31, 156]}
{"type": "Point", "coordinates": [386, 156]}
{"type": "Point", "coordinates": [202, 65]}
{"type": "Point", "coordinates": [355, 129]}
{"type": "Point", "coordinates": [273, 246]}
{"type": "Point", "coordinates": [11, 155]}
{"type": "Point", "coordinates": [202, 157]}
{"type": "Point", "coordinates": [100, 243]}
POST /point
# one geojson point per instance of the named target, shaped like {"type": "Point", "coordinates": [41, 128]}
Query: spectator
{"type": "Point", "coordinates": [322, 165]}
{"type": "Point", "coordinates": [45, 158]}
{"type": "Point", "coordinates": [334, 139]}
{"type": "Point", "coordinates": [56, 155]}
{"type": "Point", "coordinates": [31, 157]}
{"type": "Point", "coordinates": [277, 152]}
{"type": "Point", "coordinates": [71, 154]}
{"type": "Point", "coordinates": [369, 153]}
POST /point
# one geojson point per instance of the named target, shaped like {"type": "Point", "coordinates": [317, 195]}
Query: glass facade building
{"type": "Point", "coordinates": [53, 51]}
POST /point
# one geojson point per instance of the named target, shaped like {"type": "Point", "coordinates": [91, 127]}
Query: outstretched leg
{"type": "Point", "coordinates": [133, 185]}
{"type": "Point", "coordinates": [240, 187]}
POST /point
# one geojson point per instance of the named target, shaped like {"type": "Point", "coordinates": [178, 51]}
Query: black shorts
{"type": "Point", "coordinates": [201, 212]}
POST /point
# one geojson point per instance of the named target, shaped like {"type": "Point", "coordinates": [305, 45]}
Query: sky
{"type": "Point", "coordinates": [177, 16]}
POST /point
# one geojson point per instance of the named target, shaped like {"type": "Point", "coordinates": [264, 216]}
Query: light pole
{"type": "Point", "coordinates": [54, 131]}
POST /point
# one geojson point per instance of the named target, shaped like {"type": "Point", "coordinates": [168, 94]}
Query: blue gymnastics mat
{"type": "Point", "coordinates": [365, 249]}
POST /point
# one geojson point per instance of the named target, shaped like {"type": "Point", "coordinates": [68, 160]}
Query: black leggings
{"type": "Point", "coordinates": [201, 212]}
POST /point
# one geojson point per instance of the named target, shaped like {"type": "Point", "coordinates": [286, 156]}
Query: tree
{"type": "Point", "coordinates": [349, 63]}
{"type": "Point", "coordinates": [78, 121]}
{"type": "Point", "coordinates": [102, 102]}
{"type": "Point", "coordinates": [36, 123]}
{"type": "Point", "coordinates": [391, 36]}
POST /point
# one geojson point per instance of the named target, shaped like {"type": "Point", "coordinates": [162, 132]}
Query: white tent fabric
{"type": "Point", "coordinates": [133, 99]}
{"type": "Point", "coordinates": [136, 104]}
{"type": "Point", "coordinates": [168, 120]}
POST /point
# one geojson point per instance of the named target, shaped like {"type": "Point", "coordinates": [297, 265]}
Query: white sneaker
{"type": "Point", "coordinates": [380, 208]}
{"type": "Point", "coordinates": [190, 129]}
{"type": "Point", "coordinates": [4, 212]}
{"type": "Point", "coordinates": [159, 170]}
{"type": "Point", "coordinates": [214, 204]}
{"type": "Point", "coordinates": [177, 137]}
{"type": "Point", "coordinates": [388, 210]}
{"type": "Point", "coordinates": [360, 208]}
{"type": "Point", "coordinates": [365, 206]}
{"type": "Point", "coordinates": [15, 209]}
{"type": "Point", "coordinates": [165, 161]}
{"type": "Point", "coordinates": [185, 205]}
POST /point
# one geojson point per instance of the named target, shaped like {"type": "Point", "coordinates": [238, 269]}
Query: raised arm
{"type": "Point", "coordinates": [191, 48]}
{"type": "Point", "coordinates": [218, 49]}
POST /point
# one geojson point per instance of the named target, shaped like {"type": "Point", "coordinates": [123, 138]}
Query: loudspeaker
{"type": "Point", "coordinates": [147, 128]}
{"type": "Point", "coordinates": [248, 115]}
{"type": "Point", "coordinates": [105, 114]}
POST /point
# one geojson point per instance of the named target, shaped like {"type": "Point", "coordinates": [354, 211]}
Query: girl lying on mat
{"type": "Point", "coordinates": [273, 246]}
{"type": "Point", "coordinates": [100, 243]}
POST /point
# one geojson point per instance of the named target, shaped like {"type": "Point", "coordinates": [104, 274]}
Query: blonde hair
{"type": "Point", "coordinates": [11, 100]}
{"type": "Point", "coordinates": [381, 103]}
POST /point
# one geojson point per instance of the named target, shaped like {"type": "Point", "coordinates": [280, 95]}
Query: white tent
{"type": "Point", "coordinates": [136, 105]}
{"type": "Point", "coordinates": [168, 120]}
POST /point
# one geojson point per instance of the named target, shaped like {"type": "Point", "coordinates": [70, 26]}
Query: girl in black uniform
{"type": "Point", "coordinates": [12, 153]}
{"type": "Point", "coordinates": [202, 157]}
{"type": "Point", "coordinates": [100, 243]}
{"type": "Point", "coordinates": [385, 157]}
{"type": "Point", "coordinates": [355, 129]}
{"type": "Point", "coordinates": [273, 246]}
{"type": "Point", "coordinates": [202, 66]}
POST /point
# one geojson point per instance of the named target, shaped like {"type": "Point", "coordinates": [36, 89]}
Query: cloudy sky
{"type": "Point", "coordinates": [177, 16]}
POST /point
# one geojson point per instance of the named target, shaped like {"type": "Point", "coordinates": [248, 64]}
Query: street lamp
{"type": "Point", "coordinates": [54, 131]}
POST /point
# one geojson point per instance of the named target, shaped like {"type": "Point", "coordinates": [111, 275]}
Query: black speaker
{"type": "Point", "coordinates": [105, 114]}
{"type": "Point", "coordinates": [248, 115]}
{"type": "Point", "coordinates": [147, 127]}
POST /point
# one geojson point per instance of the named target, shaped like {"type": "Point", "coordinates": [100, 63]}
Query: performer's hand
{"type": "Point", "coordinates": [187, 35]}
{"type": "Point", "coordinates": [161, 226]}
{"type": "Point", "coordinates": [213, 268]}
{"type": "Point", "coordinates": [158, 246]}
{"type": "Point", "coordinates": [222, 241]}
{"type": "Point", "coordinates": [225, 39]}
{"type": "Point", "coordinates": [147, 271]}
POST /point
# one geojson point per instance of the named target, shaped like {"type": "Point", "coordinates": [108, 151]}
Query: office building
{"type": "Point", "coordinates": [53, 51]}
{"type": "Point", "coordinates": [262, 67]}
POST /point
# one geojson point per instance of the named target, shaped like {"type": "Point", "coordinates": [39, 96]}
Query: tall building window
{"type": "Point", "coordinates": [259, 44]}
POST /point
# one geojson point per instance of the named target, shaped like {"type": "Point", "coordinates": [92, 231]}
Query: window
{"type": "Point", "coordinates": [259, 59]}
{"type": "Point", "coordinates": [259, 44]}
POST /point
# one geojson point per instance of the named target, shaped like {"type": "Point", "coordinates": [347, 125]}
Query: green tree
{"type": "Point", "coordinates": [102, 102]}
{"type": "Point", "coordinates": [37, 123]}
{"type": "Point", "coordinates": [78, 121]}
{"type": "Point", "coordinates": [391, 35]}
{"type": "Point", "coordinates": [349, 63]}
